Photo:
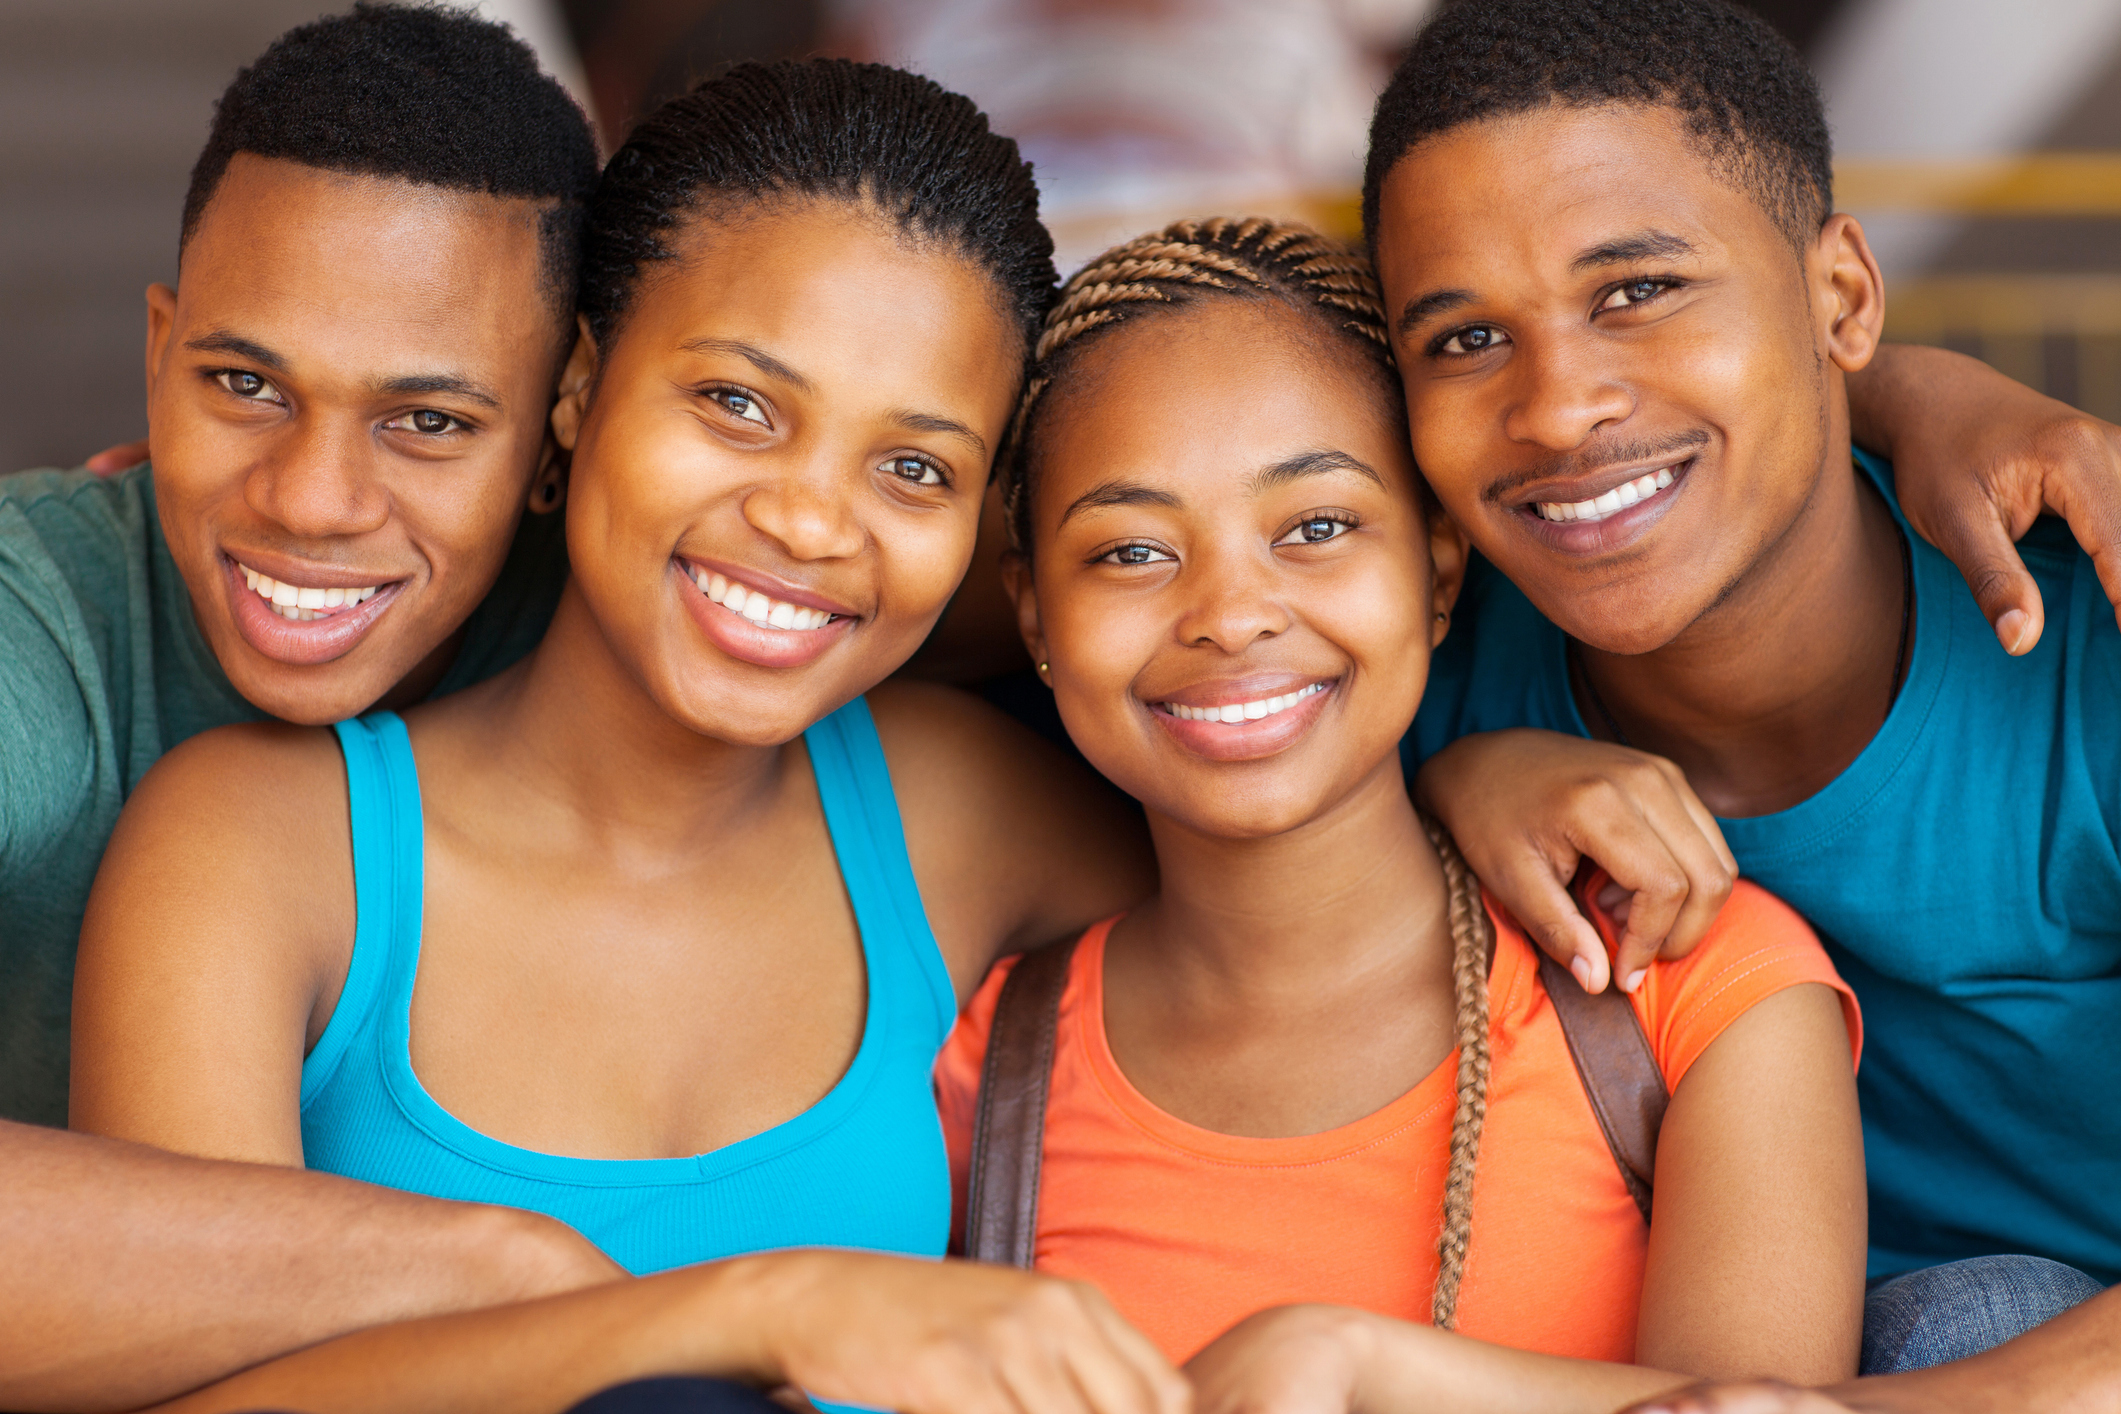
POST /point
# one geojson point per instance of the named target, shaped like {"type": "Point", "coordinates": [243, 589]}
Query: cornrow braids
{"type": "Point", "coordinates": [1472, 945]}
{"type": "Point", "coordinates": [918, 153]}
{"type": "Point", "coordinates": [1244, 257]}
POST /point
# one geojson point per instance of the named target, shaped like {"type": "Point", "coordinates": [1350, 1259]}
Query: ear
{"type": "Point", "coordinates": [1447, 569]}
{"type": "Point", "coordinates": [161, 318]}
{"type": "Point", "coordinates": [1849, 293]}
{"type": "Point", "coordinates": [548, 485]}
{"type": "Point", "coordinates": [576, 382]}
{"type": "Point", "coordinates": [1017, 578]}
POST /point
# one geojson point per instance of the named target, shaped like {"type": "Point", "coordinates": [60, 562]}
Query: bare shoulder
{"type": "Point", "coordinates": [1013, 841]}
{"type": "Point", "coordinates": [242, 823]}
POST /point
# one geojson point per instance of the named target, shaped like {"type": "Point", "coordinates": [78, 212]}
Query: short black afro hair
{"type": "Point", "coordinates": [422, 93]}
{"type": "Point", "coordinates": [1745, 93]}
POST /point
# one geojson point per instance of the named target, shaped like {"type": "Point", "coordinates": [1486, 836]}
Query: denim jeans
{"type": "Point", "coordinates": [1938, 1314]}
{"type": "Point", "coordinates": [679, 1396]}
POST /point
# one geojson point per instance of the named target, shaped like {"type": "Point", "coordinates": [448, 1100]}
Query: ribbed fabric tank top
{"type": "Point", "coordinates": [864, 1167]}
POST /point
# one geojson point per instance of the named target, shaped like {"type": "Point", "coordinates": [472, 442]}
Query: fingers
{"type": "Point", "coordinates": [1980, 545]}
{"type": "Point", "coordinates": [112, 460]}
{"type": "Point", "coordinates": [2083, 485]}
{"type": "Point", "coordinates": [1761, 1397]}
{"type": "Point", "coordinates": [1536, 898]}
{"type": "Point", "coordinates": [1662, 848]}
{"type": "Point", "coordinates": [1140, 1380]}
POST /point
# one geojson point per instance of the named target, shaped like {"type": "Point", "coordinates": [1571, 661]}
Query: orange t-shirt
{"type": "Point", "coordinates": [1188, 1231]}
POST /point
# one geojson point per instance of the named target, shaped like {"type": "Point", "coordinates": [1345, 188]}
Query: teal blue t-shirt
{"type": "Point", "coordinates": [1965, 875]}
{"type": "Point", "coordinates": [102, 669]}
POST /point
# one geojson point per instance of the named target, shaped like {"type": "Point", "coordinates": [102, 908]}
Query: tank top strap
{"type": "Point", "coordinates": [907, 975]}
{"type": "Point", "coordinates": [389, 839]}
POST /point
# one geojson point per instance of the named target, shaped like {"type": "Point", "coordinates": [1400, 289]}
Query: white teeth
{"type": "Point", "coordinates": [757, 607]}
{"type": "Point", "coordinates": [301, 603]}
{"type": "Point", "coordinates": [1243, 711]}
{"type": "Point", "coordinates": [1618, 499]}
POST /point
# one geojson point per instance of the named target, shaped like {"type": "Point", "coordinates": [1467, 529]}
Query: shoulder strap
{"type": "Point", "coordinates": [1009, 1125]}
{"type": "Point", "coordinates": [1618, 1070]}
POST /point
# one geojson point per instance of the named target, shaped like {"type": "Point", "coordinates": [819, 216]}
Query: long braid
{"type": "Point", "coordinates": [1472, 944]}
{"type": "Point", "coordinates": [1235, 256]}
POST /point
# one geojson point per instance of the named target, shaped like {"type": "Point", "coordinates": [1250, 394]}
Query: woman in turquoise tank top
{"type": "Point", "coordinates": [660, 931]}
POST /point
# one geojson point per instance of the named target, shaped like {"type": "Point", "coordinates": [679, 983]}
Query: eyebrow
{"type": "Point", "coordinates": [1430, 305]}
{"type": "Point", "coordinates": [1643, 245]}
{"type": "Point", "coordinates": [447, 383]}
{"type": "Point", "coordinates": [1118, 493]}
{"type": "Point", "coordinates": [935, 422]}
{"type": "Point", "coordinates": [223, 342]}
{"type": "Point", "coordinates": [752, 354]}
{"type": "Point", "coordinates": [1318, 463]}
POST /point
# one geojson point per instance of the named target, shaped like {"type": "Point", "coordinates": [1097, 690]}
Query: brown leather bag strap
{"type": "Point", "coordinates": [1009, 1128]}
{"type": "Point", "coordinates": [1619, 1073]}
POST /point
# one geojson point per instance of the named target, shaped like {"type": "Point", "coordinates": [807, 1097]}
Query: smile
{"type": "Point", "coordinates": [759, 607]}
{"type": "Point", "coordinates": [1242, 711]}
{"type": "Point", "coordinates": [304, 604]}
{"type": "Point", "coordinates": [1613, 502]}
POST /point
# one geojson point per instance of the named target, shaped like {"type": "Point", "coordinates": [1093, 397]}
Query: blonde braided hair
{"type": "Point", "coordinates": [1240, 256]}
{"type": "Point", "coordinates": [1472, 945]}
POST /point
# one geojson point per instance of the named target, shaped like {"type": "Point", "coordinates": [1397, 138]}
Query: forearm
{"type": "Point", "coordinates": [1407, 1368]}
{"type": "Point", "coordinates": [1898, 389]}
{"type": "Point", "coordinates": [529, 1358]}
{"type": "Point", "coordinates": [2071, 1365]}
{"type": "Point", "coordinates": [133, 1274]}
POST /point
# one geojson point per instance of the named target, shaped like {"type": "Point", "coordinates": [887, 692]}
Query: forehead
{"type": "Point", "coordinates": [358, 272]}
{"type": "Point", "coordinates": [842, 294]}
{"type": "Point", "coordinates": [1531, 189]}
{"type": "Point", "coordinates": [1217, 389]}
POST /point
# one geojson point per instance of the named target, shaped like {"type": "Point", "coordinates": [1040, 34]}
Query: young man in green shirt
{"type": "Point", "coordinates": [348, 391]}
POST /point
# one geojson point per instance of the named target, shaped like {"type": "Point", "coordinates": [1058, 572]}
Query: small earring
{"type": "Point", "coordinates": [1042, 668]}
{"type": "Point", "coordinates": [1441, 615]}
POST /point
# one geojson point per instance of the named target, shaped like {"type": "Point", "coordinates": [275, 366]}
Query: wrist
{"type": "Point", "coordinates": [511, 1255]}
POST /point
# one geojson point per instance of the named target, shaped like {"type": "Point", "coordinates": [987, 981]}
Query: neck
{"type": "Point", "coordinates": [1356, 892]}
{"type": "Point", "coordinates": [1773, 692]}
{"type": "Point", "coordinates": [579, 731]}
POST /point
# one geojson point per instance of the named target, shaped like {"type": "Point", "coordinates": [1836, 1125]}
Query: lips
{"type": "Point", "coordinates": [758, 618]}
{"type": "Point", "coordinates": [294, 620]}
{"type": "Point", "coordinates": [1597, 515]}
{"type": "Point", "coordinates": [1243, 720]}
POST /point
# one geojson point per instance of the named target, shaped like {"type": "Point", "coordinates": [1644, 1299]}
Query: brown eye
{"type": "Point", "coordinates": [432, 423]}
{"type": "Point", "coordinates": [245, 384]}
{"type": "Point", "coordinates": [918, 470]}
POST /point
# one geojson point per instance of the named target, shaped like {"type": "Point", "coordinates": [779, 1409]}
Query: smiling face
{"type": "Point", "coordinates": [779, 464]}
{"type": "Point", "coordinates": [1621, 378]}
{"type": "Point", "coordinates": [346, 402]}
{"type": "Point", "coordinates": [1232, 575]}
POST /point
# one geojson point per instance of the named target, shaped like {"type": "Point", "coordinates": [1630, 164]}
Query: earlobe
{"type": "Point", "coordinates": [571, 404]}
{"type": "Point", "coordinates": [1016, 578]}
{"type": "Point", "coordinates": [548, 487]}
{"type": "Point", "coordinates": [1447, 568]}
{"type": "Point", "coordinates": [1853, 294]}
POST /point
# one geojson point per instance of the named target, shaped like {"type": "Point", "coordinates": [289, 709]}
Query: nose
{"type": "Point", "coordinates": [808, 510]}
{"type": "Point", "coordinates": [320, 482]}
{"type": "Point", "coordinates": [1235, 601]}
{"type": "Point", "coordinates": [1565, 390]}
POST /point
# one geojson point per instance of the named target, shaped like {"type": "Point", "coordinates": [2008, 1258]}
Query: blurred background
{"type": "Point", "coordinates": [1980, 141]}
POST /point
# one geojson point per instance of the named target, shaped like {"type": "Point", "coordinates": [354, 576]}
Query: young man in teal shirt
{"type": "Point", "coordinates": [1625, 319]}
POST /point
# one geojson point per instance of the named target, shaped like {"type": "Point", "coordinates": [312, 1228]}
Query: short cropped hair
{"type": "Point", "coordinates": [855, 132]}
{"type": "Point", "coordinates": [421, 93]}
{"type": "Point", "coordinates": [1742, 89]}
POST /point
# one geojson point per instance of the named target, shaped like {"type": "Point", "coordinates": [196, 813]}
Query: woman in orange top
{"type": "Point", "coordinates": [1274, 1083]}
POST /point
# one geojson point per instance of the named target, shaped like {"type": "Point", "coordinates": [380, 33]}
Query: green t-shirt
{"type": "Point", "coordinates": [102, 669]}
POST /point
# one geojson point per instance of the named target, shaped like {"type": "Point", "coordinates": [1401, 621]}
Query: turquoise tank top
{"type": "Point", "coordinates": [864, 1167]}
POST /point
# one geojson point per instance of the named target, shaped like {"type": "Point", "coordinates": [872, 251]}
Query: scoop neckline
{"type": "Point", "coordinates": [1435, 1090]}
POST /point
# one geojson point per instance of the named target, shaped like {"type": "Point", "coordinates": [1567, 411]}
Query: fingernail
{"type": "Point", "coordinates": [2010, 629]}
{"type": "Point", "coordinates": [1634, 979]}
{"type": "Point", "coordinates": [1582, 968]}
